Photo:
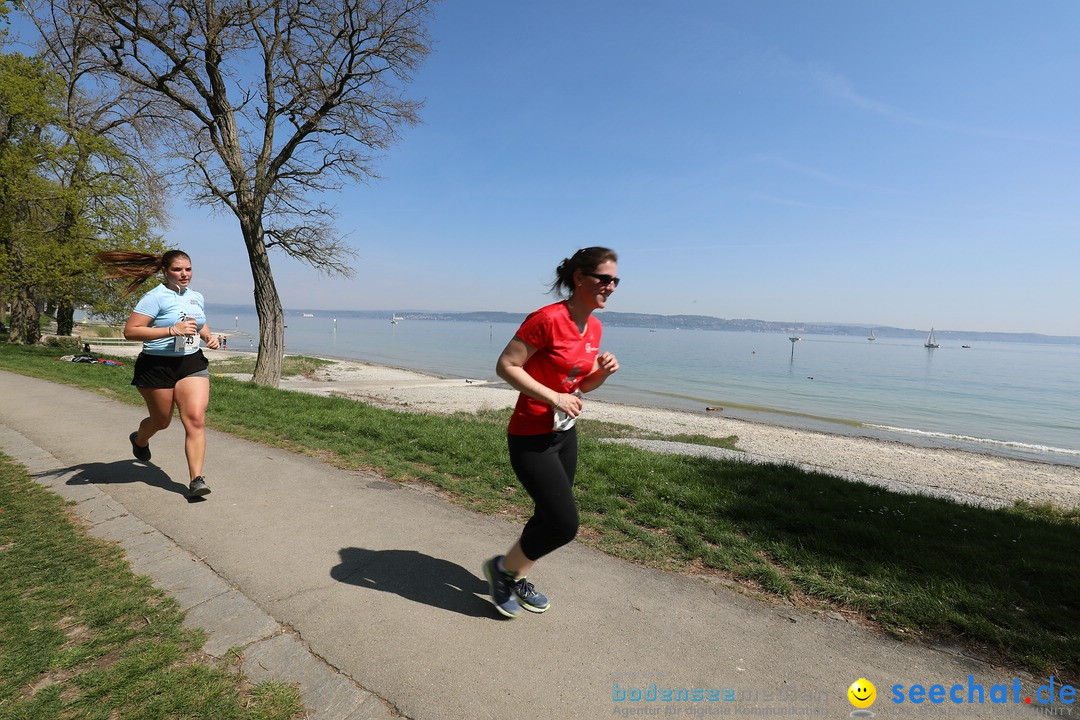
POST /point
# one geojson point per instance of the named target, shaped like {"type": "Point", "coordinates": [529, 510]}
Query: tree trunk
{"type": "Point", "coordinates": [65, 317]}
{"type": "Point", "coordinates": [271, 355]}
{"type": "Point", "coordinates": [24, 317]}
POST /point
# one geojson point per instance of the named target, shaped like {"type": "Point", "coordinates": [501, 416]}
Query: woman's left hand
{"type": "Point", "coordinates": [607, 363]}
{"type": "Point", "coordinates": [212, 342]}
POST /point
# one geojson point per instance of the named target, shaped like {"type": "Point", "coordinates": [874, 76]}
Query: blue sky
{"type": "Point", "coordinates": [906, 164]}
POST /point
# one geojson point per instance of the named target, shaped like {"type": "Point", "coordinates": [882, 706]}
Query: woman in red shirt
{"type": "Point", "coordinates": [553, 358]}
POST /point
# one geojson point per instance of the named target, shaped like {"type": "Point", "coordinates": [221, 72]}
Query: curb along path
{"type": "Point", "coordinates": [231, 620]}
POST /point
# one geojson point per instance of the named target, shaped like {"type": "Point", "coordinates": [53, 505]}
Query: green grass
{"type": "Point", "coordinates": [1004, 583]}
{"type": "Point", "coordinates": [83, 637]}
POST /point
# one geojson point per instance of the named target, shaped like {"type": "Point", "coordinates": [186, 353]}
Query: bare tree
{"type": "Point", "coordinates": [267, 105]}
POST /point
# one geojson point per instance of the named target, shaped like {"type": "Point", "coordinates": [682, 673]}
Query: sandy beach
{"type": "Point", "coordinates": [967, 477]}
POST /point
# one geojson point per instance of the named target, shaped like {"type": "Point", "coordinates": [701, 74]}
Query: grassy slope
{"type": "Point", "coordinates": [83, 637]}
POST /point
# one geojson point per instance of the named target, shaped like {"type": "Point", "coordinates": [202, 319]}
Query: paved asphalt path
{"type": "Point", "coordinates": [369, 594]}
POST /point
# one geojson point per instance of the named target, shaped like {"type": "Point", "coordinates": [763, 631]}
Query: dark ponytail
{"type": "Point", "coordinates": [586, 260]}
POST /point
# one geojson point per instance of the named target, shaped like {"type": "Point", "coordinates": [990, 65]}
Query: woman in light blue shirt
{"type": "Point", "coordinates": [171, 369]}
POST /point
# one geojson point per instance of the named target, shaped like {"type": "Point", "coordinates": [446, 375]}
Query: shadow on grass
{"type": "Point", "coordinates": [119, 472]}
{"type": "Point", "coordinates": [1007, 578]}
{"type": "Point", "coordinates": [415, 576]}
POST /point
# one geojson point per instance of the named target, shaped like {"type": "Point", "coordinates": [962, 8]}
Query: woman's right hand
{"type": "Point", "coordinates": [568, 403]}
{"type": "Point", "coordinates": [187, 326]}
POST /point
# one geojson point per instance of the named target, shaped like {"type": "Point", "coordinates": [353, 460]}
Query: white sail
{"type": "Point", "coordinates": [930, 341]}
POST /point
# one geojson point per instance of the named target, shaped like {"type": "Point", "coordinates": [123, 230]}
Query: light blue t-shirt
{"type": "Point", "coordinates": [166, 307]}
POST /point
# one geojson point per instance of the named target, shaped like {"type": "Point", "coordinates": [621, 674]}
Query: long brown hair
{"type": "Point", "coordinates": [586, 260]}
{"type": "Point", "coordinates": [136, 265]}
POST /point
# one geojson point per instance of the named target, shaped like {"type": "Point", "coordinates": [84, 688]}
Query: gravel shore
{"type": "Point", "coordinates": [962, 476]}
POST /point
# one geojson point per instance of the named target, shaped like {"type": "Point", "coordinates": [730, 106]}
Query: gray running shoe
{"type": "Point", "coordinates": [140, 452]}
{"type": "Point", "coordinates": [529, 598]}
{"type": "Point", "coordinates": [198, 488]}
{"type": "Point", "coordinates": [502, 588]}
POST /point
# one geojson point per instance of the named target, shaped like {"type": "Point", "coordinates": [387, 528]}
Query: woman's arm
{"type": "Point", "coordinates": [138, 327]}
{"type": "Point", "coordinates": [603, 368]}
{"type": "Point", "coordinates": [208, 337]}
{"type": "Point", "coordinates": [511, 368]}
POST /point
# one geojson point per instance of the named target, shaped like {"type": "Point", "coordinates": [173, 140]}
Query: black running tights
{"type": "Point", "coordinates": [545, 465]}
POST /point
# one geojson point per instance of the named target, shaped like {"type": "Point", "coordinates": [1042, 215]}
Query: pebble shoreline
{"type": "Point", "coordinates": [962, 476]}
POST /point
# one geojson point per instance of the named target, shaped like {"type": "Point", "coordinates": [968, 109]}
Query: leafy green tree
{"type": "Point", "coordinates": [29, 101]}
{"type": "Point", "coordinates": [265, 107]}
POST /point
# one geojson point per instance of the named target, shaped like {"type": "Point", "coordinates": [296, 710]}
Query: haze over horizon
{"type": "Point", "coordinates": [905, 165]}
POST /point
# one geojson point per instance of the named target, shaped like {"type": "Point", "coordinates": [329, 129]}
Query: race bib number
{"type": "Point", "coordinates": [186, 343]}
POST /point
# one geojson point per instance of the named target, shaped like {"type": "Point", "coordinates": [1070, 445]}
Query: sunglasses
{"type": "Point", "coordinates": [605, 279]}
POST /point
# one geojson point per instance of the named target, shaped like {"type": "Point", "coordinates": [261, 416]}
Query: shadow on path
{"type": "Point", "coordinates": [415, 576]}
{"type": "Point", "coordinates": [121, 471]}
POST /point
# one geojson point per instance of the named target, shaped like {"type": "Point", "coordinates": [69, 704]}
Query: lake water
{"type": "Point", "coordinates": [1012, 399]}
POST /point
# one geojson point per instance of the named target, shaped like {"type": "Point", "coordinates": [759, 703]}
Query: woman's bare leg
{"type": "Point", "coordinates": [192, 397]}
{"type": "Point", "coordinates": [159, 401]}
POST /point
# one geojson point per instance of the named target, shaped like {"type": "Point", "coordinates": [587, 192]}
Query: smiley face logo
{"type": "Point", "coordinates": [862, 693]}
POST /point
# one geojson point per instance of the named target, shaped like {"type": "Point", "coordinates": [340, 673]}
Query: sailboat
{"type": "Point", "coordinates": [871, 335]}
{"type": "Point", "coordinates": [930, 341]}
{"type": "Point", "coordinates": [394, 319]}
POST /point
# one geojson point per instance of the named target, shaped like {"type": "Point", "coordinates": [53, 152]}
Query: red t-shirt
{"type": "Point", "coordinates": [563, 357]}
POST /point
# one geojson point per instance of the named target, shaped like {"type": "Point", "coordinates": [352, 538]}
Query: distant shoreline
{"type": "Point", "coordinates": [693, 322]}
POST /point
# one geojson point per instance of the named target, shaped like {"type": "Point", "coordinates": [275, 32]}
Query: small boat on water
{"type": "Point", "coordinates": [931, 343]}
{"type": "Point", "coordinates": [309, 315]}
{"type": "Point", "coordinates": [966, 346]}
{"type": "Point", "coordinates": [871, 337]}
{"type": "Point", "coordinates": [394, 319]}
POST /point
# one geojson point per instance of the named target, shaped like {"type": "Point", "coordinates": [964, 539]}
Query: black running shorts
{"type": "Point", "coordinates": [164, 371]}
